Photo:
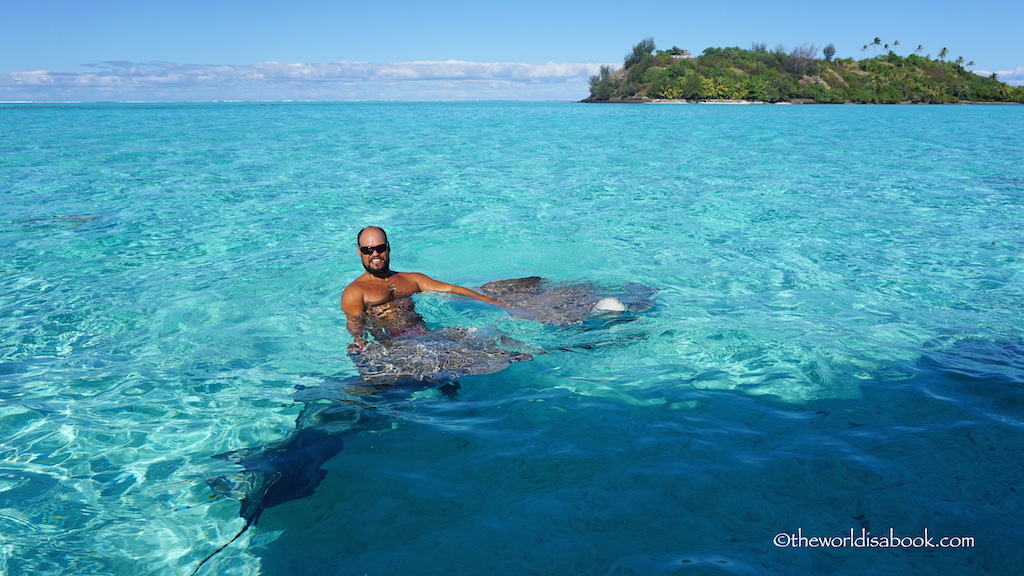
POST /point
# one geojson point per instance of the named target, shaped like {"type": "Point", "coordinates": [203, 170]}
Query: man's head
{"type": "Point", "coordinates": [374, 250]}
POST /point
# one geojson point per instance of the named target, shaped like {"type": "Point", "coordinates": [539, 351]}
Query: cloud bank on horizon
{"type": "Point", "coordinates": [417, 80]}
{"type": "Point", "coordinates": [343, 80]}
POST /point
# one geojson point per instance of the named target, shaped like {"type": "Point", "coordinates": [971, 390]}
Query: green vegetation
{"type": "Point", "coordinates": [795, 76]}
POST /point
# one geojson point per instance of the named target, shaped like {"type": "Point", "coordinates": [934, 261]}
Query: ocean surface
{"type": "Point", "coordinates": [830, 381]}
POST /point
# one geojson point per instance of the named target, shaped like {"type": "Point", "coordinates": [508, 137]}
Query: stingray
{"type": "Point", "coordinates": [439, 356]}
{"type": "Point", "coordinates": [570, 302]}
{"type": "Point", "coordinates": [292, 468]}
{"type": "Point", "coordinates": [276, 474]}
{"type": "Point", "coordinates": [59, 221]}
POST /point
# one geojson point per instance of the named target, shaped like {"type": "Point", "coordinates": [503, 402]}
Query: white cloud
{"type": "Point", "coordinates": [453, 79]}
{"type": "Point", "coordinates": [1012, 77]}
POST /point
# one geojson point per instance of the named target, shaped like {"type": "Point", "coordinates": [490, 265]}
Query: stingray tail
{"type": "Point", "coordinates": [248, 523]}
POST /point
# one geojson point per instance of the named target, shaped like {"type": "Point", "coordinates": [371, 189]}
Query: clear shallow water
{"type": "Point", "coordinates": [837, 341]}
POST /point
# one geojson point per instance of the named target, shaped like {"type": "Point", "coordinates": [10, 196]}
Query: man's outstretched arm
{"type": "Point", "coordinates": [428, 284]}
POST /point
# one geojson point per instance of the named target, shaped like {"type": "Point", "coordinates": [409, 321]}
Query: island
{"type": "Point", "coordinates": [797, 76]}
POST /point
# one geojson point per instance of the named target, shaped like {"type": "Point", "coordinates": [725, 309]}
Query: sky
{"type": "Point", "coordinates": [205, 50]}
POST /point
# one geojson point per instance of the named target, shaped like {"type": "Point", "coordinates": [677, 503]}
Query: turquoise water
{"type": "Point", "coordinates": [837, 342]}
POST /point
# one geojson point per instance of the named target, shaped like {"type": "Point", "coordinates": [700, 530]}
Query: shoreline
{"type": "Point", "coordinates": [725, 102]}
{"type": "Point", "coordinates": [718, 102]}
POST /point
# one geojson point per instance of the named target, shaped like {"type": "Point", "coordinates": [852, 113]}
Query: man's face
{"type": "Point", "coordinates": [377, 261]}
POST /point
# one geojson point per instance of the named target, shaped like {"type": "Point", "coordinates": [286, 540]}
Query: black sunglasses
{"type": "Point", "coordinates": [382, 248]}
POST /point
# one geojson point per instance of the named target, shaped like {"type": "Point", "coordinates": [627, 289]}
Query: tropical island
{"type": "Point", "coordinates": [795, 76]}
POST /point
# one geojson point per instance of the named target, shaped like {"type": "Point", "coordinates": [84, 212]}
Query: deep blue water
{"type": "Point", "coordinates": [837, 342]}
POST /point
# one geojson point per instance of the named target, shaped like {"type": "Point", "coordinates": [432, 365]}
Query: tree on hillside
{"type": "Point", "coordinates": [943, 53]}
{"type": "Point", "coordinates": [637, 62]}
{"type": "Point", "coordinates": [601, 84]}
{"type": "Point", "coordinates": [802, 60]}
{"type": "Point", "coordinates": [641, 50]}
{"type": "Point", "coordinates": [829, 51]}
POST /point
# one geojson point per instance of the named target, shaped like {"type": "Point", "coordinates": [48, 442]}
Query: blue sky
{"type": "Point", "coordinates": [61, 50]}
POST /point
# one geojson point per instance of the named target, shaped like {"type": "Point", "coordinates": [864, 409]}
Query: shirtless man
{"type": "Point", "coordinates": [380, 301]}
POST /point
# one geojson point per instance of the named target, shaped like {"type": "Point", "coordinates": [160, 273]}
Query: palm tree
{"type": "Point", "coordinates": [943, 53]}
{"type": "Point", "coordinates": [864, 49]}
{"type": "Point", "coordinates": [877, 42]}
{"type": "Point", "coordinates": [919, 49]}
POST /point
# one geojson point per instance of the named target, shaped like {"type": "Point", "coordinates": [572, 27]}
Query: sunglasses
{"type": "Point", "coordinates": [381, 248]}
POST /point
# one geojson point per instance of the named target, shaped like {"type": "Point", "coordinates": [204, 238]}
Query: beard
{"type": "Point", "coordinates": [377, 268]}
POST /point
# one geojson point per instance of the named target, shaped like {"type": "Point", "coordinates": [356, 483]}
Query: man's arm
{"type": "Point", "coordinates": [352, 306]}
{"type": "Point", "coordinates": [428, 284]}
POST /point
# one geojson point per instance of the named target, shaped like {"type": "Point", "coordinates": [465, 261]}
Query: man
{"type": "Point", "coordinates": [380, 301]}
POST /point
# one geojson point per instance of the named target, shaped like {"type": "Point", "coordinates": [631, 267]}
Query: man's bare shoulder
{"type": "Point", "coordinates": [354, 293]}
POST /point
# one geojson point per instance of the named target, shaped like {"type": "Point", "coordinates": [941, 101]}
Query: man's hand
{"type": "Point", "coordinates": [357, 347]}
